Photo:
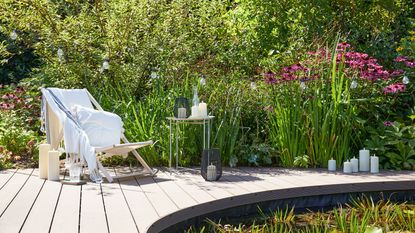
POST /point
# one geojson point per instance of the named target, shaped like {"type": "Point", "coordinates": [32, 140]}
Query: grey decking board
{"type": "Point", "coordinates": [14, 216]}
{"type": "Point", "coordinates": [5, 176]}
{"type": "Point", "coordinates": [66, 217]}
{"type": "Point", "coordinates": [152, 203]}
{"type": "Point", "coordinates": [40, 216]}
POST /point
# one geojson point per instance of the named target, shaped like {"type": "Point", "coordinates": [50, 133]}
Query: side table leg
{"type": "Point", "coordinates": [170, 145]}
{"type": "Point", "coordinates": [208, 137]}
{"type": "Point", "coordinates": [177, 146]}
{"type": "Point", "coordinates": [204, 134]}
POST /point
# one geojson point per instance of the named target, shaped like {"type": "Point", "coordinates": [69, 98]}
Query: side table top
{"type": "Point", "coordinates": [190, 118]}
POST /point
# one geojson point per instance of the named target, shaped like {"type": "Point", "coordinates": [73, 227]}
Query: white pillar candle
{"type": "Point", "coordinates": [53, 165]}
{"type": "Point", "coordinates": [364, 160]}
{"type": "Point", "coordinates": [211, 172]}
{"type": "Point", "coordinates": [347, 167]}
{"type": "Point", "coordinates": [332, 165]}
{"type": "Point", "coordinates": [43, 160]}
{"type": "Point", "coordinates": [203, 109]}
{"type": "Point", "coordinates": [374, 164]}
{"type": "Point", "coordinates": [195, 111]}
{"type": "Point", "coordinates": [181, 112]}
{"type": "Point", "coordinates": [355, 164]}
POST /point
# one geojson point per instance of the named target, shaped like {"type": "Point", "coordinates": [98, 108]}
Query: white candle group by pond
{"type": "Point", "coordinates": [365, 163]}
{"type": "Point", "coordinates": [364, 160]}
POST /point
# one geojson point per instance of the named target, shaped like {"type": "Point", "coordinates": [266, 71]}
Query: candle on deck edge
{"type": "Point", "coordinates": [43, 160]}
{"type": "Point", "coordinates": [347, 167]}
{"type": "Point", "coordinates": [332, 165]}
{"type": "Point", "coordinates": [355, 164]}
{"type": "Point", "coordinates": [53, 165]}
{"type": "Point", "coordinates": [374, 164]}
{"type": "Point", "coordinates": [364, 160]}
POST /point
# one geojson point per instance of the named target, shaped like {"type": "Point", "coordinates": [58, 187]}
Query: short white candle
{"type": "Point", "coordinates": [53, 165]}
{"type": "Point", "coordinates": [332, 165]}
{"type": "Point", "coordinates": [364, 160]}
{"type": "Point", "coordinates": [211, 172]}
{"type": "Point", "coordinates": [181, 112]}
{"type": "Point", "coordinates": [347, 167]}
{"type": "Point", "coordinates": [355, 164]}
{"type": "Point", "coordinates": [203, 109]}
{"type": "Point", "coordinates": [374, 164]}
{"type": "Point", "coordinates": [195, 111]}
{"type": "Point", "coordinates": [43, 160]}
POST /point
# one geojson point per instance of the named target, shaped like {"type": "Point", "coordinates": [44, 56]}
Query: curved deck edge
{"type": "Point", "coordinates": [274, 195]}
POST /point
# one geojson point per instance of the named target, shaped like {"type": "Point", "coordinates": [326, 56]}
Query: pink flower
{"type": "Point", "coordinates": [387, 123]}
{"type": "Point", "coordinates": [410, 64]}
{"type": "Point", "coordinates": [343, 45]}
{"type": "Point", "coordinates": [397, 72]}
{"type": "Point", "coordinates": [270, 78]}
{"type": "Point", "coordinates": [400, 59]}
{"type": "Point", "coordinates": [19, 90]}
{"type": "Point", "coordinates": [394, 88]}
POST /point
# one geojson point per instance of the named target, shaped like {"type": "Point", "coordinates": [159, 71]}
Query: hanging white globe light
{"type": "Point", "coordinates": [353, 85]}
{"type": "Point", "coordinates": [13, 35]}
{"type": "Point", "coordinates": [60, 54]}
{"type": "Point", "coordinates": [405, 80]}
{"type": "Point", "coordinates": [105, 64]}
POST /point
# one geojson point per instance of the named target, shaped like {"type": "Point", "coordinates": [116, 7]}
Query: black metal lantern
{"type": "Point", "coordinates": [182, 108]}
{"type": "Point", "coordinates": [211, 168]}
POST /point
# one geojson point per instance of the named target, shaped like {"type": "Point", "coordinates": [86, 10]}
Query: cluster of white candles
{"type": "Point", "coordinates": [48, 163]}
{"type": "Point", "coordinates": [199, 110]}
{"type": "Point", "coordinates": [365, 163]}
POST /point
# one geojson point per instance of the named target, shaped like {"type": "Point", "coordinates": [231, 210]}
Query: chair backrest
{"type": "Point", "coordinates": [72, 97]}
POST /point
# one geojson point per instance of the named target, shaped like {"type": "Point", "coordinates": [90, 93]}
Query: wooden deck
{"type": "Point", "coordinates": [29, 204]}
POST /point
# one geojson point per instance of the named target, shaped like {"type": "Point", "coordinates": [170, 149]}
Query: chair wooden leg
{"type": "Point", "coordinates": [103, 170]}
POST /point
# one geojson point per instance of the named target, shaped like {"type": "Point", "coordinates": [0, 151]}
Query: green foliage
{"type": "Point", "coordinates": [19, 125]}
{"type": "Point", "coordinates": [66, 43]}
{"type": "Point", "coordinates": [361, 215]}
{"type": "Point", "coordinates": [395, 144]}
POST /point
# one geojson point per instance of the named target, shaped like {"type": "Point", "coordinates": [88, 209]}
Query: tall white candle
{"type": "Point", "coordinates": [195, 111]}
{"type": "Point", "coordinates": [332, 165]}
{"type": "Point", "coordinates": [347, 167]}
{"type": "Point", "coordinates": [364, 160]}
{"type": "Point", "coordinates": [43, 160]}
{"type": "Point", "coordinates": [181, 112]}
{"type": "Point", "coordinates": [203, 109]}
{"type": "Point", "coordinates": [53, 165]}
{"type": "Point", "coordinates": [374, 164]}
{"type": "Point", "coordinates": [355, 164]}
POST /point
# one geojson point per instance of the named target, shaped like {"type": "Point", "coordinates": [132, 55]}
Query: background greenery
{"type": "Point", "coordinates": [158, 50]}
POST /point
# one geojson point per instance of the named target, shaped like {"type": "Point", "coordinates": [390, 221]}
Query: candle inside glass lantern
{"type": "Point", "coordinates": [211, 172]}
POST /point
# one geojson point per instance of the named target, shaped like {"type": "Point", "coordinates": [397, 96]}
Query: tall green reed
{"type": "Point", "coordinates": [286, 124]}
{"type": "Point", "coordinates": [314, 118]}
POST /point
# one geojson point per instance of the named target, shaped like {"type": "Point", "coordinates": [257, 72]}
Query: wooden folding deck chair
{"type": "Point", "coordinates": [54, 133]}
